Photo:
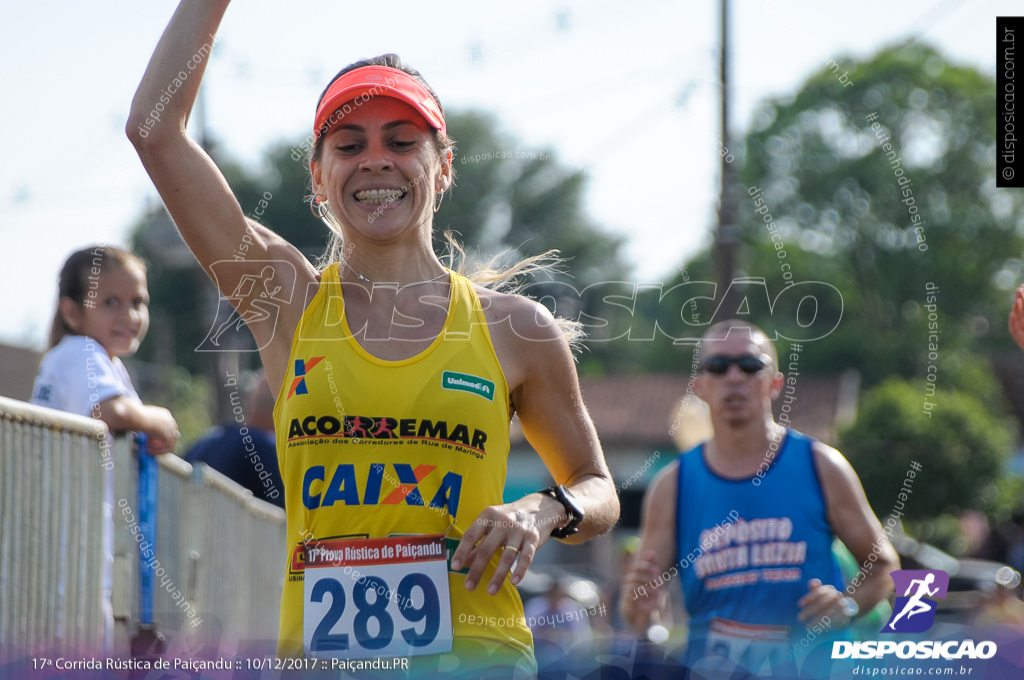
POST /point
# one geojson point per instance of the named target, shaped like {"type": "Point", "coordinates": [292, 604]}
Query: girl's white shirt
{"type": "Point", "coordinates": [77, 375]}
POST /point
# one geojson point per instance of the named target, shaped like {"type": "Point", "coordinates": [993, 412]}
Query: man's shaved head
{"type": "Point", "coordinates": [745, 330]}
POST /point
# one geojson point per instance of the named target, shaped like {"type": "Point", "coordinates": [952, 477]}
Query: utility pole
{"type": "Point", "coordinates": [727, 237]}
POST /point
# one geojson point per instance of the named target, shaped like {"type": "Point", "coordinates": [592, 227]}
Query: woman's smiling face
{"type": "Point", "coordinates": [380, 169]}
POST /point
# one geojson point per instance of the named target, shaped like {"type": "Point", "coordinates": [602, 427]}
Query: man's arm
{"type": "Point", "coordinates": [854, 523]}
{"type": "Point", "coordinates": [657, 553]}
{"type": "Point", "coordinates": [1017, 317]}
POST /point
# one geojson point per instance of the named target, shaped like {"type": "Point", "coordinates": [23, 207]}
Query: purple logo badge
{"type": "Point", "coordinates": [914, 610]}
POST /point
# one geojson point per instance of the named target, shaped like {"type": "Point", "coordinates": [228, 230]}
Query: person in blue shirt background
{"type": "Point", "coordinates": [244, 448]}
{"type": "Point", "coordinates": [745, 523]}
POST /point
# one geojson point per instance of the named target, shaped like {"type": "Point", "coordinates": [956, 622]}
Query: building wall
{"type": "Point", "coordinates": [18, 366]}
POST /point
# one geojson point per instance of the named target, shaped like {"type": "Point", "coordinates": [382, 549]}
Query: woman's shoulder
{"type": "Point", "coordinates": [518, 316]}
{"type": "Point", "coordinates": [527, 339]}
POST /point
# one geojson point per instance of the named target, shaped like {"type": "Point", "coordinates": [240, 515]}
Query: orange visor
{"type": "Point", "coordinates": [361, 84]}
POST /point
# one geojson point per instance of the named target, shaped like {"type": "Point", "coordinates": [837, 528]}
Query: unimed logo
{"type": "Point", "coordinates": [914, 611]}
{"type": "Point", "coordinates": [450, 380]}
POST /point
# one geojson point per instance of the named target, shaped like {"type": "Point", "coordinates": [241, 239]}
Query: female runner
{"type": "Point", "coordinates": [396, 377]}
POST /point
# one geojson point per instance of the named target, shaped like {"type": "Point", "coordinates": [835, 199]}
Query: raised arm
{"type": "Point", "coordinates": [193, 188]}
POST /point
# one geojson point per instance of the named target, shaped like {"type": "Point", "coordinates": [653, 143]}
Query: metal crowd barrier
{"type": "Point", "coordinates": [72, 551]}
{"type": "Point", "coordinates": [52, 530]}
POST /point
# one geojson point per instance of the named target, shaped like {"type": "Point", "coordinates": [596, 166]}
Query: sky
{"type": "Point", "coordinates": [626, 92]}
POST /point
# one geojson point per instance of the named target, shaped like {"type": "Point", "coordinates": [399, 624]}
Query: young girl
{"type": "Point", "coordinates": [102, 314]}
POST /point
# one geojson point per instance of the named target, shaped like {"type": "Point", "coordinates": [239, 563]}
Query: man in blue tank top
{"type": "Point", "coordinates": [756, 509]}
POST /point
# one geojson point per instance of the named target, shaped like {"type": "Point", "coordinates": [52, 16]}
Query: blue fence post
{"type": "Point", "coordinates": [148, 640]}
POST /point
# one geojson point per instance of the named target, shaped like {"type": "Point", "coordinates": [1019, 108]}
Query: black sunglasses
{"type": "Point", "coordinates": [719, 364]}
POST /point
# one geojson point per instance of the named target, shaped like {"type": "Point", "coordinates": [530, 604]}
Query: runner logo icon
{"type": "Point", "coordinates": [914, 611]}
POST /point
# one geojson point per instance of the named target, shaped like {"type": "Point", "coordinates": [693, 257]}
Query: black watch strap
{"type": "Point", "coordinates": [572, 509]}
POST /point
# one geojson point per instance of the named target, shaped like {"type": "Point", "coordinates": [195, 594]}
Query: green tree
{"type": "Point", "coordinates": [818, 177]}
{"type": "Point", "coordinates": [840, 213]}
{"type": "Point", "coordinates": [880, 186]}
{"type": "Point", "coordinates": [961, 450]}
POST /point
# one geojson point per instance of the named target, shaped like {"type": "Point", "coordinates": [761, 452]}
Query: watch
{"type": "Point", "coordinates": [572, 509]}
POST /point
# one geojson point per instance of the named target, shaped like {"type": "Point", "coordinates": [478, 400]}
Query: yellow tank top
{"type": "Point", "coordinates": [370, 448]}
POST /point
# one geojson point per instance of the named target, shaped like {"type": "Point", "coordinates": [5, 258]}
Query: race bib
{"type": "Point", "coordinates": [753, 647]}
{"type": "Point", "coordinates": [376, 597]}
